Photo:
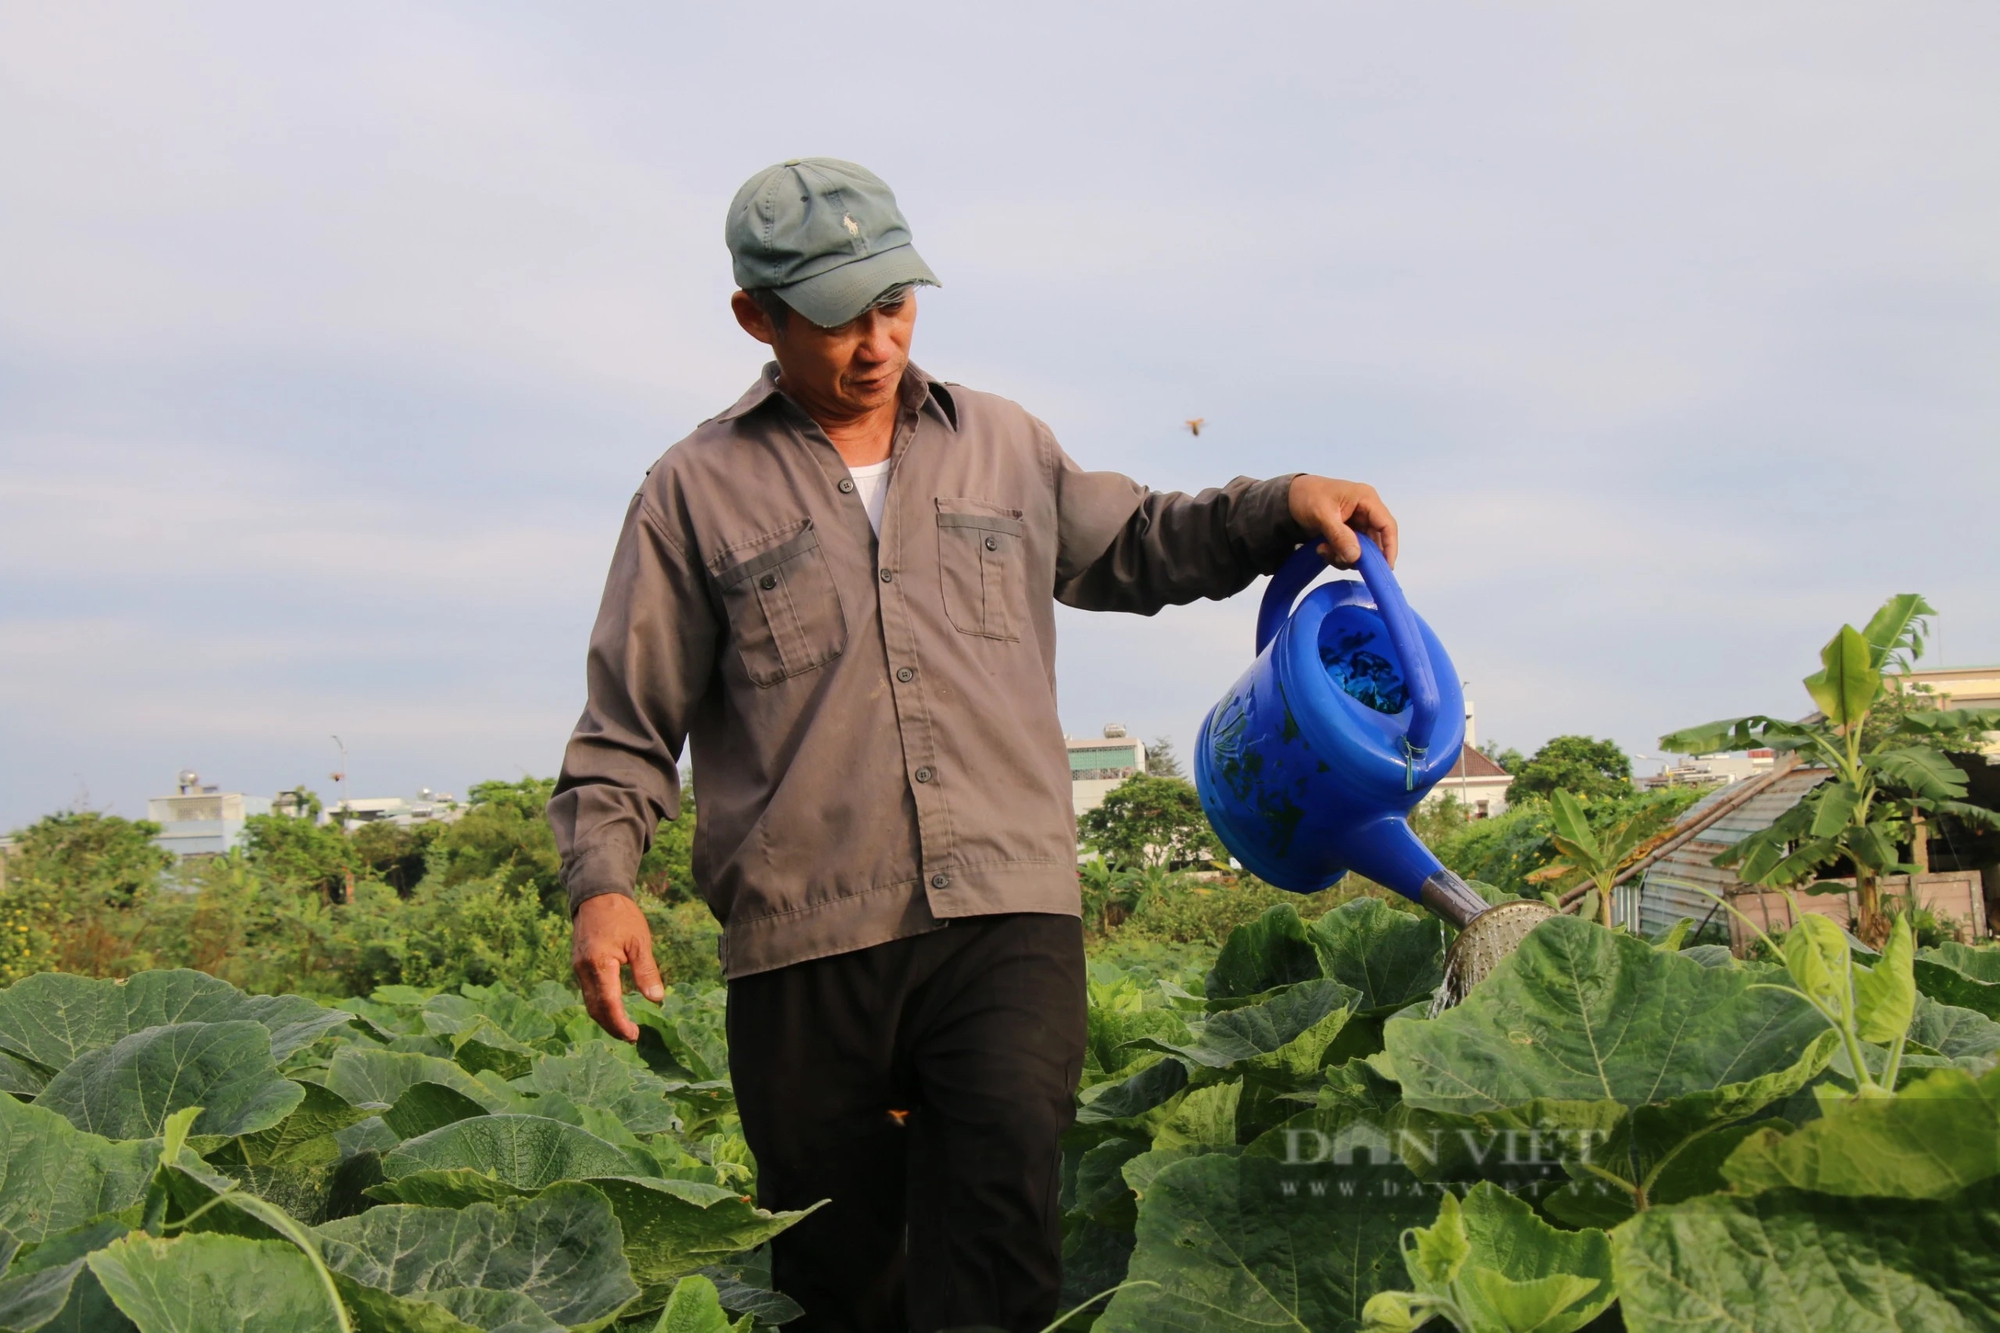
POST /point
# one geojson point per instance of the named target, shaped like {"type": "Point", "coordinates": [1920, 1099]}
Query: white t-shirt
{"type": "Point", "coordinates": [871, 483]}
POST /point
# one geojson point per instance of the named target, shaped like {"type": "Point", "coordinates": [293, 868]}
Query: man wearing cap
{"type": "Point", "coordinates": [840, 591]}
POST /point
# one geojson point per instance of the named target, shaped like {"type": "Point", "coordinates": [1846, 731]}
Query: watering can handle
{"type": "Point", "coordinates": [1305, 565]}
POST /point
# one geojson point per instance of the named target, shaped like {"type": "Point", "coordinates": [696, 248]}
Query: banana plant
{"type": "Point", "coordinates": [1593, 855]}
{"type": "Point", "coordinates": [1885, 746]}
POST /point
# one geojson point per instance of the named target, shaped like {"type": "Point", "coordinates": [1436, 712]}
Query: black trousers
{"type": "Point", "coordinates": [921, 1085]}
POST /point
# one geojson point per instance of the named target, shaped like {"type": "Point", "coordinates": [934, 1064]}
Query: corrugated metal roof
{"type": "Point", "coordinates": [1676, 880]}
{"type": "Point", "coordinates": [1760, 811]}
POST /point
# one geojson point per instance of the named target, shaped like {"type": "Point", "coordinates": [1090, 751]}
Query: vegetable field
{"type": "Point", "coordinates": [1608, 1130]}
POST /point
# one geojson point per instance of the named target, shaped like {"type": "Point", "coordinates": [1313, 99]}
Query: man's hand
{"type": "Point", "coordinates": [1335, 509]}
{"type": "Point", "coordinates": [609, 932]}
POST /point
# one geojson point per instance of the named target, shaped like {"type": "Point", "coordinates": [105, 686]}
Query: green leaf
{"type": "Point", "coordinates": [672, 1227]}
{"type": "Point", "coordinates": [1816, 956]}
{"type": "Point", "coordinates": [1934, 1138]}
{"type": "Point", "coordinates": [1833, 805]}
{"type": "Point", "coordinates": [482, 1045]}
{"type": "Point", "coordinates": [207, 1283]}
{"type": "Point", "coordinates": [1978, 816]}
{"type": "Point", "coordinates": [379, 1078]}
{"type": "Point", "coordinates": [561, 1249]}
{"type": "Point", "coordinates": [693, 1308]}
{"type": "Point", "coordinates": [304, 1135]}
{"type": "Point", "coordinates": [1155, 1085]}
{"type": "Point", "coordinates": [1896, 625]}
{"type": "Point", "coordinates": [1579, 1013]}
{"type": "Point", "coordinates": [1941, 976]}
{"type": "Point", "coordinates": [127, 1090]}
{"type": "Point", "coordinates": [54, 1177]}
{"type": "Point", "coordinates": [1110, 1050]}
{"type": "Point", "coordinates": [1264, 954]}
{"type": "Point", "coordinates": [1389, 958]}
{"type": "Point", "coordinates": [423, 1107]}
{"type": "Point", "coordinates": [745, 1292]}
{"type": "Point", "coordinates": [450, 1310]}
{"type": "Point", "coordinates": [1957, 1034]}
{"type": "Point", "coordinates": [1919, 771]}
{"type": "Point", "coordinates": [1101, 1192]}
{"type": "Point", "coordinates": [607, 1076]}
{"type": "Point", "coordinates": [1304, 1018]}
{"type": "Point", "coordinates": [516, 1019]}
{"type": "Point", "coordinates": [1885, 995]}
{"type": "Point", "coordinates": [1786, 1261]}
{"type": "Point", "coordinates": [1237, 1244]}
{"type": "Point", "coordinates": [1847, 684]}
{"type": "Point", "coordinates": [1978, 964]}
{"type": "Point", "coordinates": [1668, 1150]}
{"type": "Point", "coordinates": [52, 1287]}
{"type": "Point", "coordinates": [1736, 733]}
{"type": "Point", "coordinates": [1205, 1117]}
{"type": "Point", "coordinates": [1573, 836]}
{"type": "Point", "coordinates": [525, 1152]}
{"type": "Point", "coordinates": [54, 1017]}
{"type": "Point", "coordinates": [1505, 1269]}
{"type": "Point", "coordinates": [21, 1077]}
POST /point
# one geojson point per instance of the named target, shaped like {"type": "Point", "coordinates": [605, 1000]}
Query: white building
{"type": "Point", "coordinates": [1098, 765]}
{"type": "Point", "coordinates": [203, 821]}
{"type": "Point", "coordinates": [1712, 770]}
{"type": "Point", "coordinates": [1477, 783]}
{"type": "Point", "coordinates": [428, 806]}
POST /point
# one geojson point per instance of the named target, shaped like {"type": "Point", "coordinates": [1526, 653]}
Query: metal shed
{"type": "Point", "coordinates": [1668, 882]}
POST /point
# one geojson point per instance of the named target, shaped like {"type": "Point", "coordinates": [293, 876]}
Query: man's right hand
{"type": "Point", "coordinates": [610, 932]}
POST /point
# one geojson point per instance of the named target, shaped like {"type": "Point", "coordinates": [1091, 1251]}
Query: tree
{"type": "Point", "coordinates": [1148, 821]}
{"type": "Point", "coordinates": [1161, 761]}
{"type": "Point", "coordinates": [1596, 855]}
{"type": "Point", "coordinates": [90, 853]}
{"type": "Point", "coordinates": [1509, 759]}
{"type": "Point", "coordinates": [1580, 765]}
{"type": "Point", "coordinates": [505, 836]}
{"type": "Point", "coordinates": [299, 854]}
{"type": "Point", "coordinates": [396, 854]}
{"type": "Point", "coordinates": [1886, 747]}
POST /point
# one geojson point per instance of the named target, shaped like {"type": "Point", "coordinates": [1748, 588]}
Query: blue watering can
{"type": "Point", "coordinates": [1309, 767]}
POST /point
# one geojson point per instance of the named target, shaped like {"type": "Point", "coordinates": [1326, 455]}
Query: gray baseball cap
{"type": "Point", "coordinates": [826, 235]}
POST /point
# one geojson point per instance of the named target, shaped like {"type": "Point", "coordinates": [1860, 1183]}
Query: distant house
{"type": "Point", "coordinates": [1668, 883]}
{"type": "Point", "coordinates": [203, 821]}
{"type": "Point", "coordinates": [1097, 765]}
{"type": "Point", "coordinates": [1477, 783]}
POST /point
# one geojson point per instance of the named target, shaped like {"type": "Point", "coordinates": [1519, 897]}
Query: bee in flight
{"type": "Point", "coordinates": [1194, 424]}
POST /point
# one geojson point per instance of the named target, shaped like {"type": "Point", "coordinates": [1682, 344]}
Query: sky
{"type": "Point", "coordinates": [333, 340]}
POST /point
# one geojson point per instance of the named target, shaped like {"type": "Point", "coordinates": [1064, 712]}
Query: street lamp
{"type": "Point", "coordinates": [341, 778]}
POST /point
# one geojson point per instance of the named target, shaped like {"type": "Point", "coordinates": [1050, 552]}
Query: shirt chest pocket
{"type": "Point", "coordinates": [982, 567]}
{"type": "Point", "coordinates": [784, 611]}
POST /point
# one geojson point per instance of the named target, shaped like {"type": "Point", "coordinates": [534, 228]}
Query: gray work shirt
{"type": "Point", "coordinates": [873, 720]}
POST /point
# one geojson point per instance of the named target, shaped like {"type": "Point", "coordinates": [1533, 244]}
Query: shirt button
{"type": "Point", "coordinates": [887, 577]}
{"type": "Point", "coordinates": [923, 775]}
{"type": "Point", "coordinates": [905, 675]}
{"type": "Point", "coordinates": [940, 880]}
{"type": "Point", "coordinates": [768, 582]}
{"type": "Point", "coordinates": [992, 544]}
{"type": "Point", "coordinates": [847, 485]}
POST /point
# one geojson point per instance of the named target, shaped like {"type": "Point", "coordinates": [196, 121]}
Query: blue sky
{"type": "Point", "coordinates": [333, 342]}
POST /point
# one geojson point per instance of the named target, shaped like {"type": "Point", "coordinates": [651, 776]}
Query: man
{"type": "Point", "coordinates": [841, 590]}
